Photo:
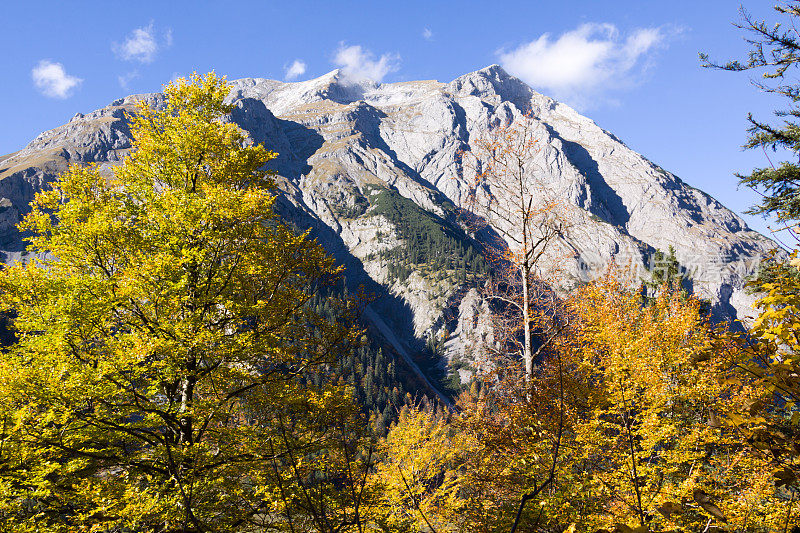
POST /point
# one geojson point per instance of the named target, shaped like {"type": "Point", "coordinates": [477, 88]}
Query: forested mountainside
{"type": "Point", "coordinates": [375, 171]}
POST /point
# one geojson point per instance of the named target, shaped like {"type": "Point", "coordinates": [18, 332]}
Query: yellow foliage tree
{"type": "Point", "coordinates": [768, 423]}
{"type": "Point", "coordinates": [420, 470]}
{"type": "Point", "coordinates": [156, 383]}
{"type": "Point", "coordinates": [650, 435]}
{"type": "Point", "coordinates": [468, 472]}
{"type": "Point", "coordinates": [640, 442]}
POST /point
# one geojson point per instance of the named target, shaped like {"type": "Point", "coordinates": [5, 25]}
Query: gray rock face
{"type": "Point", "coordinates": [341, 141]}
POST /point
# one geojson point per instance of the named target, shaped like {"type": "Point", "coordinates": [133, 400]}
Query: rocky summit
{"type": "Point", "coordinates": [374, 170]}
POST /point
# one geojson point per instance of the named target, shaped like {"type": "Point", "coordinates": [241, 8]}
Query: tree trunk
{"type": "Point", "coordinates": [187, 395]}
{"type": "Point", "coordinates": [527, 353]}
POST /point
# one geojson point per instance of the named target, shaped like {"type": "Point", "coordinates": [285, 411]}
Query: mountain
{"type": "Point", "coordinates": [374, 171]}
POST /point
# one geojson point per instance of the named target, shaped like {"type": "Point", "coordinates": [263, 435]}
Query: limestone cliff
{"type": "Point", "coordinates": [345, 145]}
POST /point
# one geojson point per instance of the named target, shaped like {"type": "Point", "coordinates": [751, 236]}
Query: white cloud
{"type": "Point", "coordinates": [427, 34]}
{"type": "Point", "coordinates": [581, 65]}
{"type": "Point", "coordinates": [52, 80]}
{"type": "Point", "coordinates": [142, 45]}
{"type": "Point", "coordinates": [361, 64]}
{"type": "Point", "coordinates": [296, 69]}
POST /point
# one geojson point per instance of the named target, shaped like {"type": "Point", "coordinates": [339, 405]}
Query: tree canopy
{"type": "Point", "coordinates": [164, 338]}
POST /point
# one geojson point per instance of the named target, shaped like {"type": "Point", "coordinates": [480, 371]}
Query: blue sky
{"type": "Point", "coordinates": [630, 65]}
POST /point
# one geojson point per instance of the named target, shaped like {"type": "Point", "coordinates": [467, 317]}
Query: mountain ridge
{"type": "Point", "coordinates": [342, 141]}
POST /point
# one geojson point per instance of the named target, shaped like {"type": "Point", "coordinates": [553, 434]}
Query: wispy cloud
{"type": "Point", "coordinates": [427, 34]}
{"type": "Point", "coordinates": [583, 65]}
{"type": "Point", "coordinates": [295, 70]}
{"type": "Point", "coordinates": [142, 44]}
{"type": "Point", "coordinates": [52, 80]}
{"type": "Point", "coordinates": [361, 64]}
{"type": "Point", "coordinates": [125, 79]}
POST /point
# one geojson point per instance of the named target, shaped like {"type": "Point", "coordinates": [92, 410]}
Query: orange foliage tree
{"type": "Point", "coordinates": [637, 442]}
{"type": "Point", "coordinates": [510, 193]}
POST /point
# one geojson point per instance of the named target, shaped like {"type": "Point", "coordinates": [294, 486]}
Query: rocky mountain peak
{"type": "Point", "coordinates": [336, 86]}
{"type": "Point", "coordinates": [493, 80]}
{"type": "Point", "coordinates": [340, 87]}
{"type": "Point", "coordinates": [375, 170]}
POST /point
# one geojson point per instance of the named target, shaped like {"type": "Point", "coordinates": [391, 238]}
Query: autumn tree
{"type": "Point", "coordinates": [487, 468]}
{"type": "Point", "coordinates": [159, 381]}
{"type": "Point", "coordinates": [769, 421]}
{"type": "Point", "coordinates": [421, 467]}
{"type": "Point", "coordinates": [651, 384]}
{"type": "Point", "coordinates": [510, 193]}
{"type": "Point", "coordinates": [622, 427]}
